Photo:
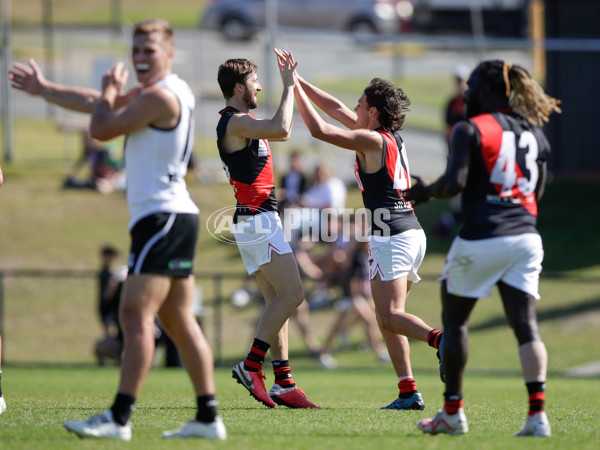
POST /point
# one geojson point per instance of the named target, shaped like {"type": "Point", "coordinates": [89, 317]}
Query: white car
{"type": "Point", "coordinates": [242, 19]}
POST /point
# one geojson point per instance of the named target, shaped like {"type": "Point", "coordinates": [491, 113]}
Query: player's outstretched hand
{"type": "Point", "coordinates": [287, 66]}
{"type": "Point", "coordinates": [420, 192]}
{"type": "Point", "coordinates": [282, 55]}
{"type": "Point", "coordinates": [29, 79]}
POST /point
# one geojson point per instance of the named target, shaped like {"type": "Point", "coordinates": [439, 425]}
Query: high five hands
{"type": "Point", "coordinates": [287, 64]}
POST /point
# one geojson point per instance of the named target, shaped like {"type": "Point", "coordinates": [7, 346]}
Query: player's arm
{"type": "Point", "coordinates": [31, 79]}
{"type": "Point", "coordinates": [155, 106]}
{"type": "Point", "coordinates": [541, 184]}
{"type": "Point", "coordinates": [361, 140]}
{"type": "Point", "coordinates": [329, 104]}
{"type": "Point", "coordinates": [277, 128]}
{"type": "Point", "coordinates": [454, 179]}
{"type": "Point", "coordinates": [285, 112]}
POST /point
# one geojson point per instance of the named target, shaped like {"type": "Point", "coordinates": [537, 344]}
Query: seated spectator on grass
{"type": "Point", "coordinates": [101, 170]}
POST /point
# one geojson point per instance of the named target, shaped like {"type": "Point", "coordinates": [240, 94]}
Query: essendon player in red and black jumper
{"type": "Point", "coordinates": [499, 198]}
{"type": "Point", "coordinates": [250, 171]}
{"type": "Point", "coordinates": [382, 190]}
{"type": "Point", "coordinates": [243, 145]}
{"type": "Point", "coordinates": [397, 242]}
{"type": "Point", "coordinates": [498, 161]}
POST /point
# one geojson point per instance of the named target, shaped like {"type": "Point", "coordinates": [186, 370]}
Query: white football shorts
{"type": "Point", "coordinates": [257, 237]}
{"type": "Point", "coordinates": [397, 256]}
{"type": "Point", "coordinates": [473, 268]}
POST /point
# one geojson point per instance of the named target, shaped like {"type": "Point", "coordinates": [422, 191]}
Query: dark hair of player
{"type": "Point", "coordinates": [391, 102]}
{"type": "Point", "coordinates": [234, 71]}
{"type": "Point", "coordinates": [525, 95]}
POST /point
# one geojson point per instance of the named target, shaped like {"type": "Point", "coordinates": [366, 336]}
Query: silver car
{"type": "Point", "coordinates": [241, 19]}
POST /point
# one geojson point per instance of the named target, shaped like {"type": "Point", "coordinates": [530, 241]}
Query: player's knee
{"type": "Point", "coordinates": [525, 331]}
{"type": "Point", "coordinates": [294, 295]}
{"type": "Point", "coordinates": [128, 318]}
{"type": "Point", "coordinates": [134, 323]}
{"type": "Point", "coordinates": [386, 321]}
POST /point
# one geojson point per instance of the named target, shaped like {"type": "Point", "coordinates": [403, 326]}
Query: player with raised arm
{"type": "Point", "coordinates": [244, 149]}
{"type": "Point", "coordinates": [397, 241]}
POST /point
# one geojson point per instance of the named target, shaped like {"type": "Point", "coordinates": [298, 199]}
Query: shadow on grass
{"type": "Point", "coordinates": [568, 223]}
{"type": "Point", "coordinates": [560, 313]}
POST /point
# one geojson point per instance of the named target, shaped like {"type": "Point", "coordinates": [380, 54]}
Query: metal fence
{"type": "Point", "coordinates": [50, 316]}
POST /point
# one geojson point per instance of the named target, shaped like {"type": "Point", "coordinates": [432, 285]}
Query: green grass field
{"type": "Point", "coordinates": [182, 13]}
{"type": "Point", "coordinates": [51, 324]}
{"type": "Point", "coordinates": [41, 398]}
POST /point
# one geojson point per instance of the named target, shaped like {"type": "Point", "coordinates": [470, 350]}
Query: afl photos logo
{"type": "Point", "coordinates": [248, 230]}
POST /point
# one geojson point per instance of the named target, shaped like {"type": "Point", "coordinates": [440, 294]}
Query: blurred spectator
{"type": "Point", "coordinates": [110, 345]}
{"type": "Point", "coordinates": [456, 110]}
{"type": "Point", "coordinates": [326, 190]}
{"type": "Point", "coordinates": [292, 186]}
{"type": "Point", "coordinates": [198, 170]}
{"type": "Point", "coordinates": [356, 305]}
{"type": "Point", "coordinates": [103, 171]}
{"type": "Point", "coordinates": [342, 268]}
{"type": "Point", "coordinates": [329, 261]}
{"type": "Point", "coordinates": [293, 183]}
{"type": "Point", "coordinates": [110, 282]}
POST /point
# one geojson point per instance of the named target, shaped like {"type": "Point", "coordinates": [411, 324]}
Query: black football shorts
{"type": "Point", "coordinates": [164, 243]}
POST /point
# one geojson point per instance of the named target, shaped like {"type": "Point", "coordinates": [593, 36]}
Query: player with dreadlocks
{"type": "Point", "coordinates": [498, 161]}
